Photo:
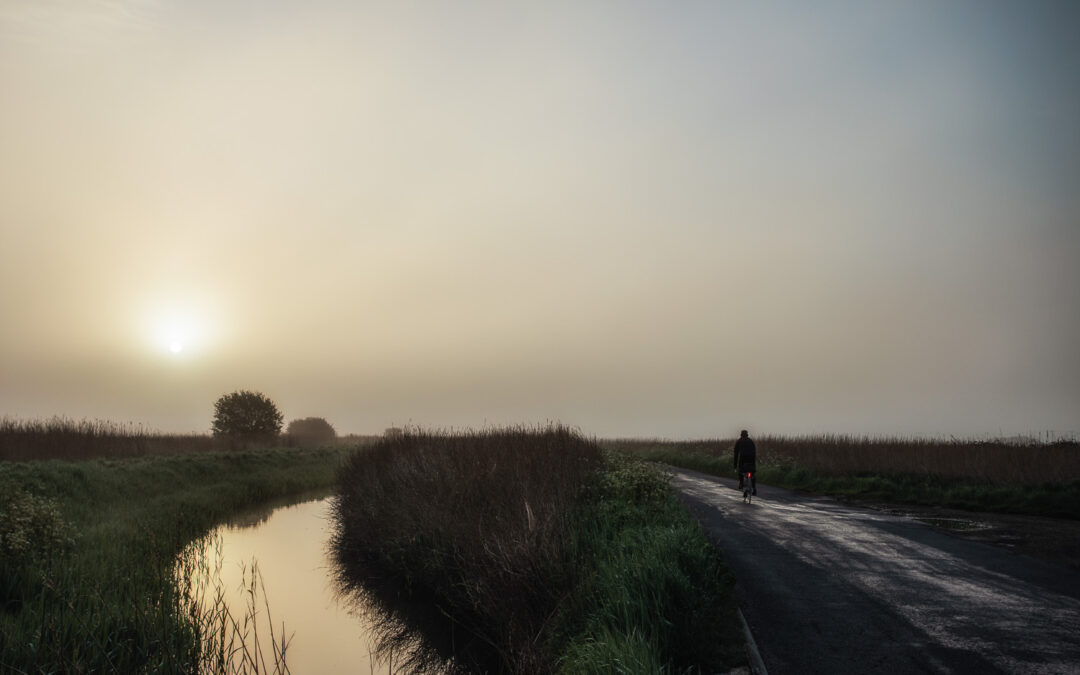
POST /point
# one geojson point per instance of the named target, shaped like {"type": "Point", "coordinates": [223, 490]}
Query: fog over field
{"type": "Point", "coordinates": [640, 219]}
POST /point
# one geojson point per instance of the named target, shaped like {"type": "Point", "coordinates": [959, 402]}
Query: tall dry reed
{"type": "Point", "coordinates": [229, 641]}
{"type": "Point", "coordinates": [474, 524]}
{"type": "Point", "coordinates": [63, 438]}
{"type": "Point", "coordinates": [1025, 461]}
{"type": "Point", "coordinates": [997, 462]}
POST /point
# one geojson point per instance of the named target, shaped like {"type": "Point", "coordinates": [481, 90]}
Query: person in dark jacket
{"type": "Point", "coordinates": [746, 459]}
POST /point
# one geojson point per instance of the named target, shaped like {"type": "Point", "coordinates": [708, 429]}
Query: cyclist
{"type": "Point", "coordinates": [746, 459]}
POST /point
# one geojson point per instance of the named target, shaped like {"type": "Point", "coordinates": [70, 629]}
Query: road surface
{"type": "Point", "coordinates": [831, 588]}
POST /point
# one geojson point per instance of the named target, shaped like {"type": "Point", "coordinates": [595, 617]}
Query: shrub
{"type": "Point", "coordinates": [310, 431]}
{"type": "Point", "coordinates": [31, 527]}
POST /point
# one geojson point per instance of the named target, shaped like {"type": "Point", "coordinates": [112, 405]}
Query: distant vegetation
{"type": "Point", "coordinates": [310, 432]}
{"type": "Point", "coordinates": [88, 555]}
{"type": "Point", "coordinates": [62, 438]}
{"type": "Point", "coordinates": [1005, 476]}
{"type": "Point", "coordinates": [246, 415]}
{"type": "Point", "coordinates": [540, 551]}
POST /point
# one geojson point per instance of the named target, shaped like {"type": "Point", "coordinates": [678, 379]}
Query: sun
{"type": "Point", "coordinates": [180, 330]}
{"type": "Point", "coordinates": [177, 334]}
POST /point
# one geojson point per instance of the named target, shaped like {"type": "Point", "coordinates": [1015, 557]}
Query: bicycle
{"type": "Point", "coordinates": [748, 491]}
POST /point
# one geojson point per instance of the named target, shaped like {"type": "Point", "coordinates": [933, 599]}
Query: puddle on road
{"type": "Point", "coordinates": [950, 523]}
{"type": "Point", "coordinates": [954, 524]}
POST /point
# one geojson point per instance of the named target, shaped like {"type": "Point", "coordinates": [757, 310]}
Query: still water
{"type": "Point", "coordinates": [289, 548]}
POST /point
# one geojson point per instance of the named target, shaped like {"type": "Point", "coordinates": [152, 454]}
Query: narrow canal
{"type": "Point", "coordinates": [288, 546]}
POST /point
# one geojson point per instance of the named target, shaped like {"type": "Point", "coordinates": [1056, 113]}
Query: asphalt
{"type": "Point", "coordinates": [833, 588]}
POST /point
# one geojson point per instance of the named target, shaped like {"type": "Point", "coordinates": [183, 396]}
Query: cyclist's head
{"type": "Point", "coordinates": [743, 433]}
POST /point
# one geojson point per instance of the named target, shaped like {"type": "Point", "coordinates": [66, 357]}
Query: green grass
{"type": "Point", "coordinates": [689, 460]}
{"type": "Point", "coordinates": [1043, 479]}
{"type": "Point", "coordinates": [102, 596]}
{"type": "Point", "coordinates": [540, 551]}
{"type": "Point", "coordinates": [654, 595]}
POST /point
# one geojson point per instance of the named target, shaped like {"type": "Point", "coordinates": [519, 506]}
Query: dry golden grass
{"type": "Point", "coordinates": [63, 438]}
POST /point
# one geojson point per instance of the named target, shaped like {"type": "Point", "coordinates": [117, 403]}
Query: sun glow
{"type": "Point", "coordinates": [177, 333]}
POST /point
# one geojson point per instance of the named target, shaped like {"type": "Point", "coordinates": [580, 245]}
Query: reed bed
{"type": "Point", "coordinates": [999, 462]}
{"type": "Point", "coordinates": [64, 438]}
{"type": "Point", "coordinates": [474, 523]}
{"type": "Point", "coordinates": [227, 643]}
{"type": "Point", "coordinates": [527, 551]}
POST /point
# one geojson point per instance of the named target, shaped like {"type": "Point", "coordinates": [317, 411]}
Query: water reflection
{"type": "Point", "coordinates": [289, 548]}
{"type": "Point", "coordinates": [411, 634]}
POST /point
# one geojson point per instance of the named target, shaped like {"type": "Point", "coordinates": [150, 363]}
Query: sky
{"type": "Point", "coordinates": [640, 219]}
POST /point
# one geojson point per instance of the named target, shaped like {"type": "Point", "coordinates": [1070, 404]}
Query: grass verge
{"type": "Point", "coordinates": [88, 549]}
{"type": "Point", "coordinates": [538, 551]}
{"type": "Point", "coordinates": [654, 595]}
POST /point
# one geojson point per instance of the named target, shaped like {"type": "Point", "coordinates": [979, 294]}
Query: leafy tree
{"type": "Point", "coordinates": [246, 414]}
{"type": "Point", "coordinates": [310, 431]}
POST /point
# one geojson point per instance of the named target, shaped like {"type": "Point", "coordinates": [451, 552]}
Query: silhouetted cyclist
{"type": "Point", "coordinates": [746, 459]}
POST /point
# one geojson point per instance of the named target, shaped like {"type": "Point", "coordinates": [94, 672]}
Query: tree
{"type": "Point", "coordinates": [246, 414]}
{"type": "Point", "coordinates": [310, 431]}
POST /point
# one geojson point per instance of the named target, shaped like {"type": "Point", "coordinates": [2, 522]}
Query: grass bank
{"type": "Point", "coordinates": [539, 552]}
{"type": "Point", "coordinates": [653, 595]}
{"type": "Point", "coordinates": [87, 551]}
{"type": "Point", "coordinates": [1002, 477]}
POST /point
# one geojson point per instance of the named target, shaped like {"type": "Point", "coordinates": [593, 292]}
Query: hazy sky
{"type": "Point", "coordinates": [670, 219]}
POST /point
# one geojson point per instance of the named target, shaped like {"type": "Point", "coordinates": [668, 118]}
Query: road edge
{"type": "Point", "coordinates": [757, 666]}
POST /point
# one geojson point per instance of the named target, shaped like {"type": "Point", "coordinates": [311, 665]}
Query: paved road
{"type": "Point", "coordinates": [829, 588]}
